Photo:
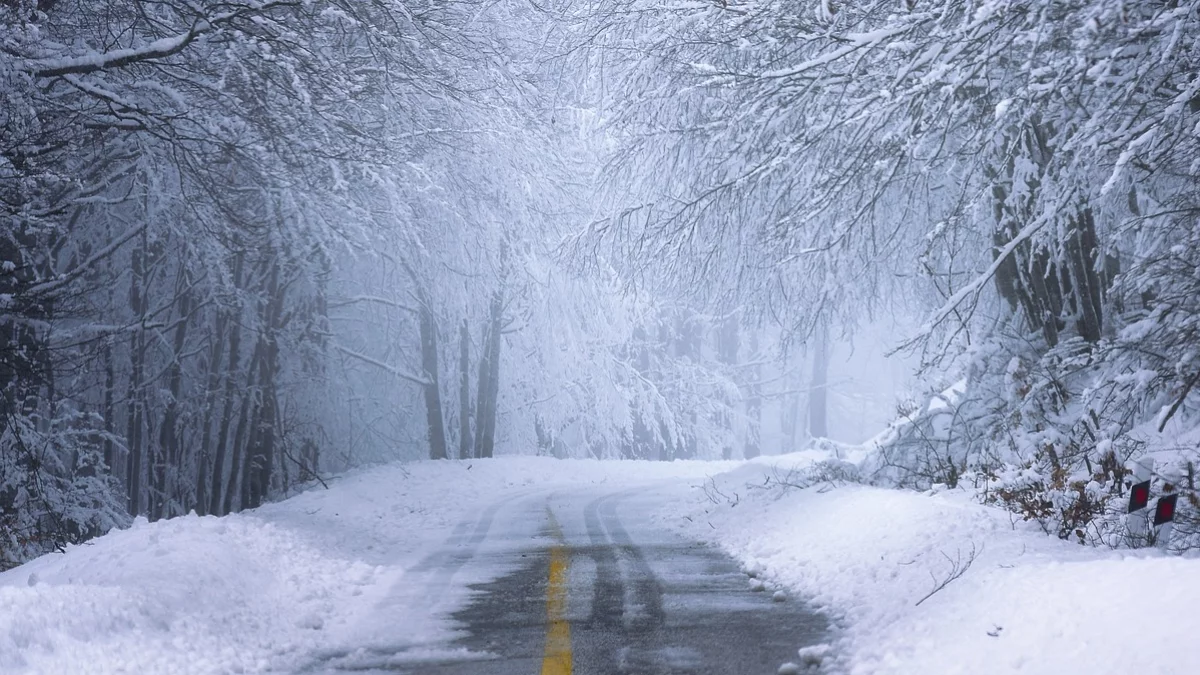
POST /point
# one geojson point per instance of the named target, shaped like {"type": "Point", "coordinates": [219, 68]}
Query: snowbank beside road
{"type": "Point", "coordinates": [1026, 603]}
{"type": "Point", "coordinates": [270, 590]}
{"type": "Point", "coordinates": [190, 595]}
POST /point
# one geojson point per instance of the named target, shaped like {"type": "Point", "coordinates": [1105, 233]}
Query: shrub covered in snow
{"type": "Point", "coordinates": [1049, 432]}
{"type": "Point", "coordinates": [51, 491]}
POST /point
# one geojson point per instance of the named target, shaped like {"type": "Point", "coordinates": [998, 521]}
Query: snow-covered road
{"type": "Point", "coordinates": [635, 596]}
{"type": "Point", "coordinates": [425, 567]}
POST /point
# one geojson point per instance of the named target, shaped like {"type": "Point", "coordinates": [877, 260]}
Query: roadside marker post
{"type": "Point", "coordinates": [1136, 520]}
{"type": "Point", "coordinates": [1139, 496]}
{"type": "Point", "coordinates": [1164, 516]}
{"type": "Point", "coordinates": [1164, 509]}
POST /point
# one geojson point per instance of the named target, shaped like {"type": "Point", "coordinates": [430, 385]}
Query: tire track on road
{"type": "Point", "coordinates": [647, 591]}
{"type": "Point", "coordinates": [607, 591]}
{"type": "Point", "coordinates": [450, 560]}
{"type": "Point", "coordinates": [627, 619]}
{"type": "Point", "coordinates": [422, 586]}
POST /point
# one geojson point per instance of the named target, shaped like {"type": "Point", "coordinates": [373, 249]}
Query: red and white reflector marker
{"type": "Point", "coordinates": [1164, 511]}
{"type": "Point", "coordinates": [1136, 522]}
{"type": "Point", "coordinates": [1139, 496]}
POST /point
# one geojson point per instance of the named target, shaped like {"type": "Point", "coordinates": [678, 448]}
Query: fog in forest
{"type": "Point", "coordinates": [247, 245]}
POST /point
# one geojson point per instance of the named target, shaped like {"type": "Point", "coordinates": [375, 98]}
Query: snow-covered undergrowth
{"type": "Point", "coordinates": [265, 590]}
{"type": "Point", "coordinates": [1023, 603]}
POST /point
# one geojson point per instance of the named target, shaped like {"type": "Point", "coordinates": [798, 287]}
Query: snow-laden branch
{"type": "Point", "coordinates": [855, 42]}
{"type": "Point", "coordinates": [83, 267]}
{"type": "Point", "coordinates": [424, 382]}
{"type": "Point", "coordinates": [976, 285]}
{"type": "Point", "coordinates": [160, 48]}
{"type": "Point", "coordinates": [353, 300]}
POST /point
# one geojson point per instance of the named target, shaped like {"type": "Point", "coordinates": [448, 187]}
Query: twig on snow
{"type": "Point", "coordinates": [958, 567]}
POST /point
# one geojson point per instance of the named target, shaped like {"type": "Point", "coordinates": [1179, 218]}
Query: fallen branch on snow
{"type": "Point", "coordinates": [958, 567]}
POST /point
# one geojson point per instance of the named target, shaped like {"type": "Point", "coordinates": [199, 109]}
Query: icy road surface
{"type": "Point", "coordinates": [591, 585]}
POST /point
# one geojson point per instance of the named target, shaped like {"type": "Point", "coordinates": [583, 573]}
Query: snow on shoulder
{"type": "Point", "coordinates": [936, 583]}
{"type": "Point", "coordinates": [188, 595]}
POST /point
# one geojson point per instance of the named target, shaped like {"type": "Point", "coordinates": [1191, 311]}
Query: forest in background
{"type": "Point", "coordinates": [245, 244]}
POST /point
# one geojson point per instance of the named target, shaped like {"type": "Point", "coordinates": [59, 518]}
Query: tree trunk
{"type": "Point", "coordinates": [260, 455]}
{"type": "Point", "coordinates": [484, 386]}
{"type": "Point", "coordinates": [494, 380]}
{"type": "Point", "coordinates": [110, 384]}
{"type": "Point", "coordinates": [216, 496]}
{"type": "Point", "coordinates": [24, 357]}
{"type": "Point", "coordinates": [1083, 252]}
{"type": "Point", "coordinates": [489, 380]}
{"type": "Point", "coordinates": [753, 403]}
{"type": "Point", "coordinates": [790, 415]}
{"type": "Point", "coordinates": [248, 413]}
{"type": "Point", "coordinates": [134, 394]}
{"type": "Point", "coordinates": [727, 353]}
{"type": "Point", "coordinates": [818, 393]}
{"type": "Point", "coordinates": [465, 442]}
{"type": "Point", "coordinates": [213, 384]}
{"type": "Point", "coordinates": [433, 391]}
{"type": "Point", "coordinates": [1048, 283]}
{"type": "Point", "coordinates": [168, 455]}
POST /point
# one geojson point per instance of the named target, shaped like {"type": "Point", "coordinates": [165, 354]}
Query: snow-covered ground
{"type": "Point", "coordinates": [274, 590]}
{"type": "Point", "coordinates": [1027, 603]}
{"type": "Point", "coordinates": [322, 573]}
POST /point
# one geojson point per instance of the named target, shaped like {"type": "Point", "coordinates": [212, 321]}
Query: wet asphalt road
{"type": "Point", "coordinates": [635, 598]}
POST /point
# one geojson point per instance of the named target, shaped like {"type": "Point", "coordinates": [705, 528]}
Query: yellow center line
{"type": "Point", "coordinates": [557, 657]}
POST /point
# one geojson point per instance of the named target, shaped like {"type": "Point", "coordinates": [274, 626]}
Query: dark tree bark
{"type": "Point", "coordinates": [465, 442]}
{"type": "Point", "coordinates": [727, 353]}
{"type": "Point", "coordinates": [484, 386]}
{"type": "Point", "coordinates": [818, 392]}
{"type": "Point", "coordinates": [237, 487]}
{"type": "Point", "coordinates": [248, 412]}
{"type": "Point", "coordinates": [489, 380]}
{"type": "Point", "coordinates": [24, 357]}
{"type": "Point", "coordinates": [494, 380]}
{"type": "Point", "coordinates": [167, 455]}
{"type": "Point", "coordinates": [217, 500]}
{"type": "Point", "coordinates": [639, 442]}
{"type": "Point", "coordinates": [260, 454]}
{"type": "Point", "coordinates": [753, 404]}
{"type": "Point", "coordinates": [1048, 286]}
{"type": "Point", "coordinates": [134, 397]}
{"type": "Point", "coordinates": [110, 385]}
{"type": "Point", "coordinates": [791, 405]}
{"type": "Point", "coordinates": [1083, 254]}
{"type": "Point", "coordinates": [204, 465]}
{"type": "Point", "coordinates": [433, 391]}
